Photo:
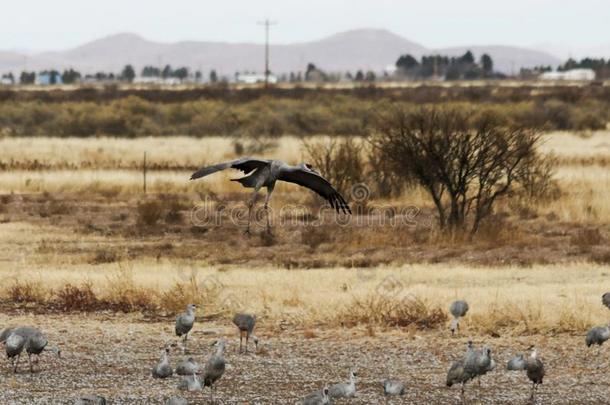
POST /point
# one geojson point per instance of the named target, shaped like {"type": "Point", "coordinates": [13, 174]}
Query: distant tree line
{"type": "Point", "coordinates": [127, 74]}
{"type": "Point", "coordinates": [449, 68]}
{"type": "Point", "coordinates": [599, 65]}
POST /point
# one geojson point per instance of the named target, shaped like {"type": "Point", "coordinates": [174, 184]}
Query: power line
{"type": "Point", "coordinates": [267, 24]}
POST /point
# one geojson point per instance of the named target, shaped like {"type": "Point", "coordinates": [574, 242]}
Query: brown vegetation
{"type": "Point", "coordinates": [464, 164]}
{"type": "Point", "coordinates": [297, 112]}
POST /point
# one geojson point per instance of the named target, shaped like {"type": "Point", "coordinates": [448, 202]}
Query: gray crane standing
{"type": "Point", "coordinates": [459, 373]}
{"type": "Point", "coordinates": [34, 342]}
{"type": "Point", "coordinates": [457, 309]}
{"type": "Point", "coordinates": [188, 367]}
{"type": "Point", "coordinates": [184, 324]}
{"type": "Point", "coordinates": [163, 369]}
{"type": "Point", "coordinates": [245, 323]}
{"type": "Point", "coordinates": [190, 383]}
{"type": "Point", "coordinates": [320, 397]}
{"type": "Point", "coordinates": [535, 371]}
{"type": "Point", "coordinates": [393, 387]}
{"type": "Point", "coordinates": [344, 389]}
{"type": "Point", "coordinates": [597, 336]}
{"type": "Point", "coordinates": [517, 363]}
{"type": "Point", "coordinates": [265, 173]}
{"type": "Point", "coordinates": [14, 345]}
{"type": "Point", "coordinates": [215, 367]}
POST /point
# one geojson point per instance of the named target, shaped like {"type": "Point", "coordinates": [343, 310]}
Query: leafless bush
{"type": "Point", "coordinates": [77, 298]}
{"type": "Point", "coordinates": [536, 179]}
{"type": "Point", "coordinates": [585, 238]}
{"type": "Point", "coordinates": [125, 296]}
{"type": "Point", "coordinates": [385, 181]}
{"type": "Point", "coordinates": [253, 146]}
{"type": "Point", "coordinates": [149, 213]}
{"type": "Point", "coordinates": [26, 291]}
{"type": "Point", "coordinates": [465, 161]}
{"type": "Point", "coordinates": [339, 161]}
{"type": "Point", "coordinates": [387, 311]}
{"type": "Point", "coordinates": [104, 256]}
{"type": "Point", "coordinates": [314, 236]}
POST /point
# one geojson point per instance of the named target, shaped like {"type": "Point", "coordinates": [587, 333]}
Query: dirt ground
{"type": "Point", "coordinates": [112, 355]}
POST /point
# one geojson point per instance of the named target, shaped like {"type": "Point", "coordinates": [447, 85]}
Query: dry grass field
{"type": "Point", "coordinates": [82, 245]}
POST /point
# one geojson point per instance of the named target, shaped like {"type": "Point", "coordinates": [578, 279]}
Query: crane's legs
{"type": "Point", "coordinates": [16, 362]}
{"type": "Point", "coordinates": [184, 343]}
{"type": "Point", "coordinates": [247, 338]}
{"type": "Point", "coordinates": [269, 191]}
{"type": "Point", "coordinates": [241, 338]}
{"type": "Point", "coordinates": [250, 205]}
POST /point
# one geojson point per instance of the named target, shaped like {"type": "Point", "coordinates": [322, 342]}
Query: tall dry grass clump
{"type": "Point", "coordinates": [71, 297]}
{"type": "Point", "coordinates": [377, 309]}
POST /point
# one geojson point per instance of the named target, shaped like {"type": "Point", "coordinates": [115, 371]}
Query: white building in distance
{"type": "Point", "coordinates": [574, 74]}
{"type": "Point", "coordinates": [253, 78]}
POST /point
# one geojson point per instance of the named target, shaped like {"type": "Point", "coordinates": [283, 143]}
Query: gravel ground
{"type": "Point", "coordinates": [112, 355]}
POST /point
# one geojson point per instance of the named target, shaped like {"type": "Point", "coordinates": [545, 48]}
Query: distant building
{"type": "Point", "coordinates": [172, 81]}
{"type": "Point", "coordinates": [7, 80]}
{"type": "Point", "coordinates": [48, 78]}
{"type": "Point", "coordinates": [253, 78]}
{"type": "Point", "coordinates": [574, 74]}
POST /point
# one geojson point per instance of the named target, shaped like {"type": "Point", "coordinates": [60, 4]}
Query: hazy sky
{"type": "Point", "coordinates": [59, 24]}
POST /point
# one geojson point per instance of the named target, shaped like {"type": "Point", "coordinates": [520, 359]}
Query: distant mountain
{"type": "Point", "coordinates": [366, 49]}
{"type": "Point", "coordinates": [565, 51]}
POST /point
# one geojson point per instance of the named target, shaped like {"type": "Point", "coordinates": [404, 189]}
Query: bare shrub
{"type": "Point", "coordinates": [536, 179]}
{"type": "Point", "coordinates": [267, 239]}
{"type": "Point", "coordinates": [385, 181]}
{"type": "Point", "coordinates": [314, 236]}
{"type": "Point", "coordinates": [585, 238]}
{"type": "Point", "coordinates": [602, 257]}
{"type": "Point", "coordinates": [125, 296]}
{"type": "Point", "coordinates": [174, 213]}
{"type": "Point", "coordinates": [77, 298]}
{"type": "Point", "coordinates": [510, 316]}
{"type": "Point", "coordinates": [27, 291]}
{"type": "Point", "coordinates": [104, 256]}
{"type": "Point", "coordinates": [149, 213]}
{"type": "Point", "coordinates": [205, 293]}
{"type": "Point", "coordinates": [254, 146]}
{"type": "Point", "coordinates": [464, 163]}
{"type": "Point", "coordinates": [339, 161]}
{"type": "Point", "coordinates": [382, 310]}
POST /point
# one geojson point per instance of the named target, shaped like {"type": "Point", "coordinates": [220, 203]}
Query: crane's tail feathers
{"type": "Point", "coordinates": [247, 181]}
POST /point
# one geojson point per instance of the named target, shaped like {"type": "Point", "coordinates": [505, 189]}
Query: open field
{"type": "Point", "coordinates": [82, 245]}
{"type": "Point", "coordinates": [290, 363]}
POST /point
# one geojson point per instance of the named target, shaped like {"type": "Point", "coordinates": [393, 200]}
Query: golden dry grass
{"type": "Point", "coordinates": [109, 168]}
{"type": "Point", "coordinates": [537, 299]}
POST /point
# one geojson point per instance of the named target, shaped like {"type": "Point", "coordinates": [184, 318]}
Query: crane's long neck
{"type": "Point", "coordinates": [352, 378]}
{"type": "Point", "coordinates": [220, 349]}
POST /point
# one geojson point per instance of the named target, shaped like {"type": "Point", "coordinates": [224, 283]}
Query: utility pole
{"type": "Point", "coordinates": [267, 24]}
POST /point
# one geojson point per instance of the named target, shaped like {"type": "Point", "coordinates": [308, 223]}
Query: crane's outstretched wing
{"type": "Point", "coordinates": [244, 164]}
{"type": "Point", "coordinates": [313, 181]}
